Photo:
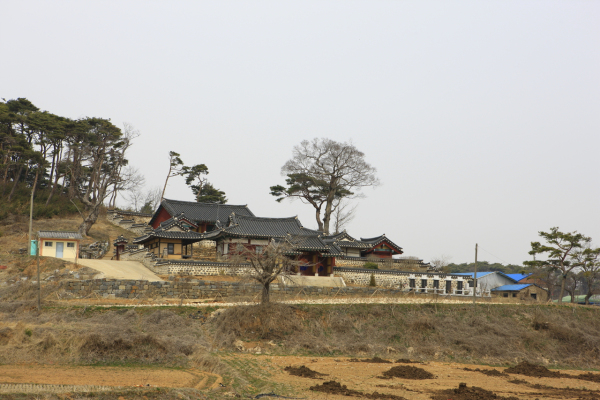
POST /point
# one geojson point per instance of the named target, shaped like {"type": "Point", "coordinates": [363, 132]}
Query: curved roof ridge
{"type": "Point", "coordinates": [373, 238]}
{"type": "Point", "coordinates": [205, 203]}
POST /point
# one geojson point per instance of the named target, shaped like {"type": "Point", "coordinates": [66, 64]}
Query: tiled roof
{"type": "Point", "coordinates": [201, 212]}
{"type": "Point", "coordinates": [240, 225]}
{"type": "Point", "coordinates": [310, 243]}
{"type": "Point", "coordinates": [165, 231]}
{"type": "Point", "coordinates": [343, 240]}
{"type": "Point", "coordinates": [380, 239]}
{"type": "Point", "coordinates": [59, 235]}
{"type": "Point", "coordinates": [179, 221]}
{"type": "Point", "coordinates": [190, 235]}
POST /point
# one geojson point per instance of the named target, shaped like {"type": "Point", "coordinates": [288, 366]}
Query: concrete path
{"type": "Point", "coordinates": [120, 269]}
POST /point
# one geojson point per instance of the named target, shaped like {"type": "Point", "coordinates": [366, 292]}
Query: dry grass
{"type": "Point", "coordinates": [15, 231]}
{"type": "Point", "coordinates": [488, 334]}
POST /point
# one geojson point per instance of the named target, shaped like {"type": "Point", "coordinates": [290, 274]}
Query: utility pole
{"type": "Point", "coordinates": [475, 276]}
{"type": "Point", "coordinates": [39, 284]}
{"type": "Point", "coordinates": [30, 222]}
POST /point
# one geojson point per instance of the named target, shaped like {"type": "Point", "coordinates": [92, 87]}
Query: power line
{"type": "Point", "coordinates": [493, 255]}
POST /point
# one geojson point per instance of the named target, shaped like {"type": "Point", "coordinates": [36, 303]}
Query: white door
{"type": "Point", "coordinates": [59, 249]}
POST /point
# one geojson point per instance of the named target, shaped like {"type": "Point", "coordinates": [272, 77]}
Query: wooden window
{"type": "Point", "coordinates": [504, 294]}
{"type": "Point", "coordinates": [170, 248]}
{"type": "Point", "coordinates": [47, 244]}
{"type": "Point", "coordinates": [436, 284]}
{"type": "Point", "coordinates": [411, 283]}
{"type": "Point", "coordinates": [70, 244]}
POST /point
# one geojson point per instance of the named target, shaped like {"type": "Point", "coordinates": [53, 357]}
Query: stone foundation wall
{"type": "Point", "coordinates": [385, 264]}
{"type": "Point", "coordinates": [196, 289]}
{"type": "Point", "coordinates": [396, 279]}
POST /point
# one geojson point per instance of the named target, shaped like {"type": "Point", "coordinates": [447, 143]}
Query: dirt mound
{"type": "Point", "coordinates": [469, 393]}
{"type": "Point", "coordinates": [304, 372]}
{"type": "Point", "coordinates": [537, 371]}
{"type": "Point", "coordinates": [374, 360]}
{"type": "Point", "coordinates": [589, 377]}
{"type": "Point", "coordinates": [488, 372]}
{"type": "Point", "coordinates": [333, 387]}
{"type": "Point", "coordinates": [518, 382]}
{"type": "Point", "coordinates": [406, 361]}
{"type": "Point", "coordinates": [407, 372]}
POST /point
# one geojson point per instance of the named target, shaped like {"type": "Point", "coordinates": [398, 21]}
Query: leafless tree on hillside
{"type": "Point", "coordinates": [266, 263]}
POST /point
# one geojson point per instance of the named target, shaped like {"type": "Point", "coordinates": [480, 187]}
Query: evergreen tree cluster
{"type": "Point", "coordinates": [81, 159]}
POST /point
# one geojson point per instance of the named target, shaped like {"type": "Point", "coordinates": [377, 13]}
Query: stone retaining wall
{"type": "Point", "coordinates": [197, 289]}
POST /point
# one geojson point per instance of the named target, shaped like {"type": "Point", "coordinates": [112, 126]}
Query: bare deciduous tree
{"type": "Point", "coordinates": [151, 200]}
{"type": "Point", "coordinates": [343, 214]}
{"type": "Point", "coordinates": [440, 263]}
{"type": "Point", "coordinates": [322, 172]}
{"type": "Point", "coordinates": [266, 263]}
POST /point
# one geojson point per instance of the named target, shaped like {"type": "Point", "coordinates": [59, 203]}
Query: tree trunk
{"type": "Point", "coordinates": [319, 222]}
{"type": "Point", "coordinates": [90, 220]}
{"type": "Point", "coordinates": [587, 298]}
{"type": "Point", "coordinates": [17, 178]}
{"type": "Point", "coordinates": [265, 293]}
{"type": "Point", "coordinates": [57, 177]}
{"type": "Point", "coordinates": [562, 288]}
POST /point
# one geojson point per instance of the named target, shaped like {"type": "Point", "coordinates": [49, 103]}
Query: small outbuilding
{"type": "Point", "coordinates": [521, 291]}
{"type": "Point", "coordinates": [59, 244]}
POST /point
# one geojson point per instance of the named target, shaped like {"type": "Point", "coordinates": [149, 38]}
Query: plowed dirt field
{"type": "Point", "coordinates": [335, 378]}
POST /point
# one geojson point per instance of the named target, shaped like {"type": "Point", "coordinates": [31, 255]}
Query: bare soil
{"type": "Point", "coordinates": [375, 360]}
{"type": "Point", "coordinates": [347, 378]}
{"type": "Point", "coordinates": [105, 376]}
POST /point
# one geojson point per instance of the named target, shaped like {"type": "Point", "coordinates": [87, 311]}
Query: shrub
{"type": "Point", "coordinates": [371, 265]}
{"type": "Point", "coordinates": [372, 281]}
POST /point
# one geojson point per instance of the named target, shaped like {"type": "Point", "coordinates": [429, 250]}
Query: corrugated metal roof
{"type": "Point", "coordinates": [511, 288]}
{"type": "Point", "coordinates": [59, 235]}
{"type": "Point", "coordinates": [518, 277]}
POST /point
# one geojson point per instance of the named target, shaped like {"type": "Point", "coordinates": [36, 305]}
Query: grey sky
{"type": "Point", "coordinates": [482, 117]}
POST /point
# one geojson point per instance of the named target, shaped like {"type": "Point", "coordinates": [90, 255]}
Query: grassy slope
{"type": "Point", "coordinates": [487, 334]}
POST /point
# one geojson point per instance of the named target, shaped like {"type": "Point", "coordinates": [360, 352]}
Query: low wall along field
{"type": "Point", "coordinates": [198, 289]}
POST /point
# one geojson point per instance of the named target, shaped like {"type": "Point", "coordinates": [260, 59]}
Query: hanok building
{"type": "Point", "coordinates": [204, 216]}
{"type": "Point", "coordinates": [254, 233]}
{"type": "Point", "coordinates": [380, 246]}
{"type": "Point", "coordinates": [380, 249]}
{"type": "Point", "coordinates": [171, 239]}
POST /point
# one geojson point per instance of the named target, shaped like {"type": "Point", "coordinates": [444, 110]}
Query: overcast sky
{"type": "Point", "coordinates": [481, 117]}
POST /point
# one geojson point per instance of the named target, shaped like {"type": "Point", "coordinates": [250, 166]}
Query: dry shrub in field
{"type": "Point", "coordinates": [101, 347]}
{"type": "Point", "coordinates": [271, 321]}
